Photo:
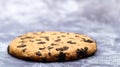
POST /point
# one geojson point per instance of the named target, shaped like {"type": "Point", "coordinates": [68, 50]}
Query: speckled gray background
{"type": "Point", "coordinates": [99, 19]}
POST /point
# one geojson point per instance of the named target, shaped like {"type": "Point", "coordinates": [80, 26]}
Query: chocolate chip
{"type": "Point", "coordinates": [82, 52]}
{"type": "Point", "coordinates": [49, 47]}
{"type": "Point", "coordinates": [62, 49]}
{"type": "Point", "coordinates": [85, 48]}
{"type": "Point", "coordinates": [88, 40]}
{"type": "Point", "coordinates": [38, 53]}
{"type": "Point", "coordinates": [61, 56]}
{"type": "Point", "coordinates": [57, 40]}
{"type": "Point", "coordinates": [24, 50]}
{"type": "Point", "coordinates": [41, 42]}
{"type": "Point", "coordinates": [53, 44]}
{"type": "Point", "coordinates": [41, 48]}
{"type": "Point", "coordinates": [46, 37]}
{"type": "Point", "coordinates": [85, 52]}
{"type": "Point", "coordinates": [22, 45]}
{"type": "Point", "coordinates": [79, 53]}
{"type": "Point", "coordinates": [49, 53]}
{"type": "Point", "coordinates": [29, 37]}
{"type": "Point", "coordinates": [71, 42]}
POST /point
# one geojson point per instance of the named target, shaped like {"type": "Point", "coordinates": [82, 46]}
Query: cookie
{"type": "Point", "coordinates": [52, 46]}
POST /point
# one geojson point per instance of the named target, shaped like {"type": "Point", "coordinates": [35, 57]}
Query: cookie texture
{"type": "Point", "coordinates": [52, 46]}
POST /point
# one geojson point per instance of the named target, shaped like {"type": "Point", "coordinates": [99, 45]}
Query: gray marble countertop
{"type": "Point", "coordinates": [98, 19]}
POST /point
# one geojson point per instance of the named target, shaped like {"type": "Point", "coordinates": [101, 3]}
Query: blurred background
{"type": "Point", "coordinates": [99, 19]}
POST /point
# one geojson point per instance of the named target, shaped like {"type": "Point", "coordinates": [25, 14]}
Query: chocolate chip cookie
{"type": "Point", "coordinates": [52, 46]}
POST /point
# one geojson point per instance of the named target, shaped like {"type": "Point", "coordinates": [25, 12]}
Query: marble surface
{"type": "Point", "coordinates": [96, 18]}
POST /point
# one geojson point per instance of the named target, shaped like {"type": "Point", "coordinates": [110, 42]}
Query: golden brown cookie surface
{"type": "Point", "coordinates": [52, 46]}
